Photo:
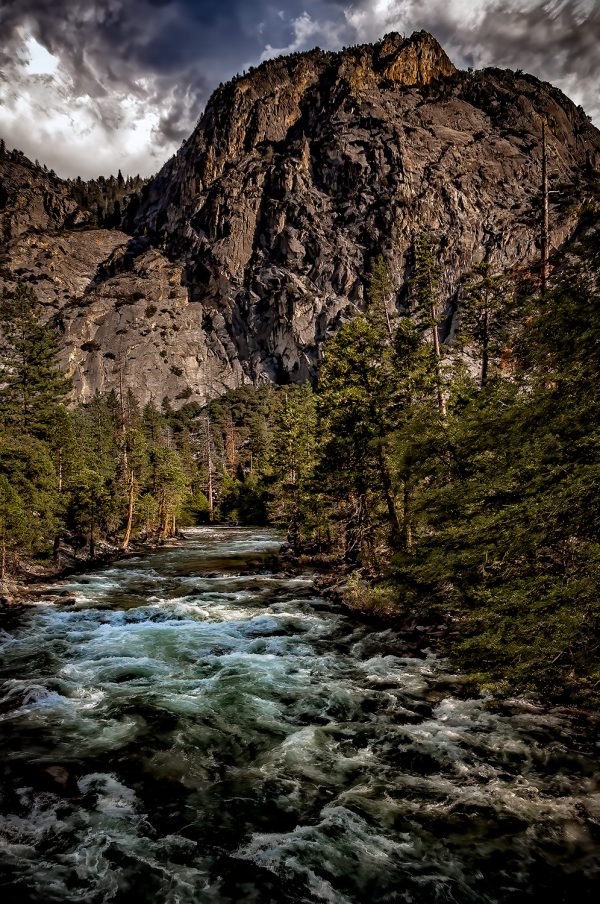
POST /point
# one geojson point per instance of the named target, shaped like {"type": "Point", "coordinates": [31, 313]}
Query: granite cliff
{"type": "Point", "coordinates": [254, 242]}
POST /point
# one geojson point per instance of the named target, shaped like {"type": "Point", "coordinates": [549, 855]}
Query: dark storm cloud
{"type": "Point", "coordinates": [170, 50]}
{"type": "Point", "coordinates": [166, 56]}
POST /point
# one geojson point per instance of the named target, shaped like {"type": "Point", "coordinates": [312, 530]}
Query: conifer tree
{"type": "Point", "coordinates": [14, 533]}
{"type": "Point", "coordinates": [91, 506]}
{"type": "Point", "coordinates": [137, 463]}
{"type": "Point", "coordinates": [381, 296]}
{"type": "Point", "coordinates": [484, 300]}
{"type": "Point", "coordinates": [171, 489]}
{"type": "Point", "coordinates": [26, 465]}
{"type": "Point", "coordinates": [357, 408]}
{"type": "Point", "coordinates": [425, 305]}
{"type": "Point", "coordinates": [291, 462]}
{"type": "Point", "coordinates": [33, 385]}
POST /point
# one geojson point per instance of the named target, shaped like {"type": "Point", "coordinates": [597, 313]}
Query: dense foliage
{"type": "Point", "coordinates": [456, 478]}
{"type": "Point", "coordinates": [106, 198]}
{"type": "Point", "coordinates": [104, 470]}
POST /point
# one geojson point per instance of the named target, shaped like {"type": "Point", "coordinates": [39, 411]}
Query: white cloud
{"type": "Point", "coordinates": [40, 62]}
{"type": "Point", "coordinates": [47, 117]}
{"type": "Point", "coordinates": [307, 33]}
{"type": "Point", "coordinates": [88, 86]}
{"type": "Point", "coordinates": [556, 40]}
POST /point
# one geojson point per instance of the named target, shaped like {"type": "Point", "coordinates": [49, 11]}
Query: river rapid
{"type": "Point", "coordinates": [200, 727]}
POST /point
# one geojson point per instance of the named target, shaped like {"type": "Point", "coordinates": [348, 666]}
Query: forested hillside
{"type": "Point", "coordinates": [458, 482]}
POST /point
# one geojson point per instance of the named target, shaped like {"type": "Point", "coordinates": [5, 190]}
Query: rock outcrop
{"type": "Point", "coordinates": [136, 327]}
{"type": "Point", "coordinates": [31, 198]}
{"type": "Point", "coordinates": [254, 242]}
{"type": "Point", "coordinates": [303, 170]}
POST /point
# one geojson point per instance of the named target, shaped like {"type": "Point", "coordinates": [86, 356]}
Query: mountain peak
{"type": "Point", "coordinates": [417, 60]}
{"type": "Point", "coordinates": [254, 243]}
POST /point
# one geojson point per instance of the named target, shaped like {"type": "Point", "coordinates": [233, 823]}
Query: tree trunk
{"type": "Point", "coordinates": [3, 563]}
{"type": "Point", "coordinates": [485, 348]}
{"type": "Point", "coordinates": [163, 516]}
{"type": "Point", "coordinates": [407, 531]}
{"type": "Point", "coordinates": [209, 466]}
{"type": "Point", "coordinates": [130, 510]}
{"type": "Point", "coordinates": [388, 493]}
{"type": "Point", "coordinates": [92, 549]}
{"type": "Point", "coordinates": [387, 319]}
{"type": "Point", "coordinates": [438, 365]}
{"type": "Point", "coordinates": [57, 539]}
{"type": "Point", "coordinates": [230, 449]}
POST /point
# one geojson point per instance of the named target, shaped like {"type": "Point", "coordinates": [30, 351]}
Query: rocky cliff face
{"type": "Point", "coordinates": [32, 199]}
{"type": "Point", "coordinates": [254, 242]}
{"type": "Point", "coordinates": [302, 171]}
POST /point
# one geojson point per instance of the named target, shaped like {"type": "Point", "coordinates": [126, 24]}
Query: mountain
{"type": "Point", "coordinates": [254, 242]}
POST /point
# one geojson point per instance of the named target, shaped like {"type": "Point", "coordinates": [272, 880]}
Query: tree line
{"type": "Point", "coordinates": [106, 199]}
{"type": "Point", "coordinates": [78, 476]}
{"type": "Point", "coordinates": [458, 478]}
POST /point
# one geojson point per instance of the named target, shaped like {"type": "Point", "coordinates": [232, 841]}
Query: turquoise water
{"type": "Point", "coordinates": [200, 727]}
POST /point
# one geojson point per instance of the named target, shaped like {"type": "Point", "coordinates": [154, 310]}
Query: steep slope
{"type": "Point", "coordinates": [125, 317]}
{"type": "Point", "coordinates": [31, 198]}
{"type": "Point", "coordinates": [254, 242]}
{"type": "Point", "coordinates": [301, 171]}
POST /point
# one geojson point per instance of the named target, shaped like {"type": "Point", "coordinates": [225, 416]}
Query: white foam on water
{"type": "Point", "coordinates": [237, 685]}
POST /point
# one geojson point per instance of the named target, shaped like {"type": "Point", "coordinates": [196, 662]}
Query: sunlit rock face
{"type": "Point", "coordinates": [301, 171]}
{"type": "Point", "coordinates": [253, 244]}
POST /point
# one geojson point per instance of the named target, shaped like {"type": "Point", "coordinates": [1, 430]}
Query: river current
{"type": "Point", "coordinates": [200, 727]}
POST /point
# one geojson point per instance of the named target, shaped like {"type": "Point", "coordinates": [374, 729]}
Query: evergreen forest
{"type": "Point", "coordinates": [453, 482]}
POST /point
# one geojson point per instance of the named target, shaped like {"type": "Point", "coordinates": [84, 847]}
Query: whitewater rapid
{"type": "Point", "coordinates": [200, 727]}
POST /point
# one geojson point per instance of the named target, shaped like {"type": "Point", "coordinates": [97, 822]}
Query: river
{"type": "Point", "coordinates": [200, 727]}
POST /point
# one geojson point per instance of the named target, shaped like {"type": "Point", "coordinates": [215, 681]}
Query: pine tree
{"type": "Point", "coordinates": [170, 489]}
{"type": "Point", "coordinates": [291, 463]}
{"type": "Point", "coordinates": [381, 291]}
{"type": "Point", "coordinates": [91, 507]}
{"type": "Point", "coordinates": [480, 321]}
{"type": "Point", "coordinates": [27, 467]}
{"type": "Point", "coordinates": [425, 306]}
{"type": "Point", "coordinates": [33, 385]}
{"type": "Point", "coordinates": [357, 410]}
{"type": "Point", "coordinates": [14, 524]}
{"type": "Point", "coordinates": [135, 470]}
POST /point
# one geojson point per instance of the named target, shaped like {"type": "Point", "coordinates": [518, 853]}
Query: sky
{"type": "Point", "coordinates": [91, 86]}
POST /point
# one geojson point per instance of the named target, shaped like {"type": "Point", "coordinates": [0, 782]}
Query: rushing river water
{"type": "Point", "coordinates": [202, 728]}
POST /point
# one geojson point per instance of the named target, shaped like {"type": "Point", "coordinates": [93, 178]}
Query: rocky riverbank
{"type": "Point", "coordinates": [35, 580]}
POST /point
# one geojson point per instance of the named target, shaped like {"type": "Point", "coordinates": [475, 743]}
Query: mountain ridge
{"type": "Point", "coordinates": [253, 243]}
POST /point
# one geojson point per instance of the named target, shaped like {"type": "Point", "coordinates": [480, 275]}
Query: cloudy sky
{"type": "Point", "coordinates": [88, 86]}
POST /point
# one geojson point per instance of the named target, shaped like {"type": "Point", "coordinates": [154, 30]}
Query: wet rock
{"type": "Point", "coordinates": [61, 780]}
{"type": "Point", "coordinates": [68, 599]}
{"type": "Point", "coordinates": [59, 774]}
